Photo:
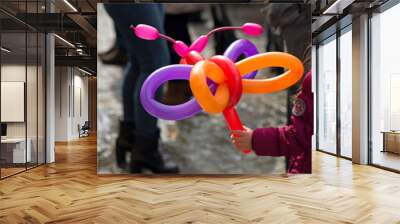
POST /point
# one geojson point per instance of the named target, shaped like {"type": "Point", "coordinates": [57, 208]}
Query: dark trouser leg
{"type": "Point", "coordinates": [144, 58]}
{"type": "Point", "coordinates": [176, 26]}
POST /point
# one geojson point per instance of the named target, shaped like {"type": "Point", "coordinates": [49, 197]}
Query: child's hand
{"type": "Point", "coordinates": [242, 138]}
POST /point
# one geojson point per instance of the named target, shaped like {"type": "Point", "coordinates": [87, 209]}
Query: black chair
{"type": "Point", "coordinates": [84, 130]}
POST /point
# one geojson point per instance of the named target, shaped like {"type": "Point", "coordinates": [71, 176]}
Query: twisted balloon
{"type": "Point", "coordinates": [217, 83]}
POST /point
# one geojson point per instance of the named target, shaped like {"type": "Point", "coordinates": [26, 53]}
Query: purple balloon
{"type": "Point", "coordinates": [182, 72]}
{"type": "Point", "coordinates": [158, 78]}
{"type": "Point", "coordinates": [239, 47]}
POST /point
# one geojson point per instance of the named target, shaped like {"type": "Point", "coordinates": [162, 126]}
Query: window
{"type": "Point", "coordinates": [327, 95]}
{"type": "Point", "coordinates": [346, 74]}
{"type": "Point", "coordinates": [334, 103]}
{"type": "Point", "coordinates": [385, 89]}
{"type": "Point", "coordinates": [22, 95]}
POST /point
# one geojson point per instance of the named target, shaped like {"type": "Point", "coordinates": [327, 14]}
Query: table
{"type": "Point", "coordinates": [13, 150]}
{"type": "Point", "coordinates": [391, 141]}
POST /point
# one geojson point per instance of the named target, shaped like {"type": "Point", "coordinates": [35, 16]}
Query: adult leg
{"type": "Point", "coordinates": [176, 26]}
{"type": "Point", "coordinates": [145, 57]}
{"type": "Point", "coordinates": [126, 137]}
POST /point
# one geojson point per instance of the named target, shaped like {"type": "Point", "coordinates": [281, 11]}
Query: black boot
{"type": "Point", "coordinates": [145, 155]}
{"type": "Point", "coordinates": [125, 142]}
{"type": "Point", "coordinates": [114, 56]}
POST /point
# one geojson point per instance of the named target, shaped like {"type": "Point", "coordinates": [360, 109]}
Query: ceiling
{"type": "Point", "coordinates": [73, 20]}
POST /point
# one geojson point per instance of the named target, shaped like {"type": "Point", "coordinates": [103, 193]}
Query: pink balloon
{"type": "Point", "coordinates": [146, 32]}
{"type": "Point", "coordinates": [252, 29]}
{"type": "Point", "coordinates": [181, 48]}
{"type": "Point", "coordinates": [199, 44]}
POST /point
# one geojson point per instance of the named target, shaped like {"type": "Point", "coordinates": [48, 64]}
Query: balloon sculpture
{"type": "Point", "coordinates": [217, 83]}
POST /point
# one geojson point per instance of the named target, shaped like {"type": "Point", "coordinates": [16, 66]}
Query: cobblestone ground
{"type": "Point", "coordinates": [199, 144]}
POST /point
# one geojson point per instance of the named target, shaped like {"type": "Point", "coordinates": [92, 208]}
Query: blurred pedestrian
{"type": "Point", "coordinates": [177, 17]}
{"type": "Point", "coordinates": [116, 55]}
{"type": "Point", "coordinates": [138, 132]}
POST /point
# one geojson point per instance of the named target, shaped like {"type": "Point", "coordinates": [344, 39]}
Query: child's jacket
{"type": "Point", "coordinates": [294, 140]}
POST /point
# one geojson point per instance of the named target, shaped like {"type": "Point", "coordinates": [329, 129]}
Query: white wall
{"type": "Point", "coordinates": [15, 73]}
{"type": "Point", "coordinates": [62, 80]}
{"type": "Point", "coordinates": [81, 84]}
{"type": "Point", "coordinates": [71, 94]}
{"type": "Point", "coordinates": [33, 125]}
{"type": "Point", "coordinates": [12, 100]}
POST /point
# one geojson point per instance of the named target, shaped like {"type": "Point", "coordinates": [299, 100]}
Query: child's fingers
{"type": "Point", "coordinates": [238, 132]}
{"type": "Point", "coordinates": [240, 146]}
{"type": "Point", "coordinates": [234, 141]}
{"type": "Point", "coordinates": [235, 136]}
{"type": "Point", "coordinates": [238, 142]}
{"type": "Point", "coordinates": [238, 139]}
{"type": "Point", "coordinates": [238, 136]}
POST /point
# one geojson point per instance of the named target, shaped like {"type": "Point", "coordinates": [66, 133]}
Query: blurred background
{"type": "Point", "coordinates": [201, 144]}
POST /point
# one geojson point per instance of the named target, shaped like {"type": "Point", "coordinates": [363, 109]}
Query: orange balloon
{"type": "Point", "coordinates": [198, 83]}
{"type": "Point", "coordinates": [216, 103]}
{"type": "Point", "coordinates": [271, 59]}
